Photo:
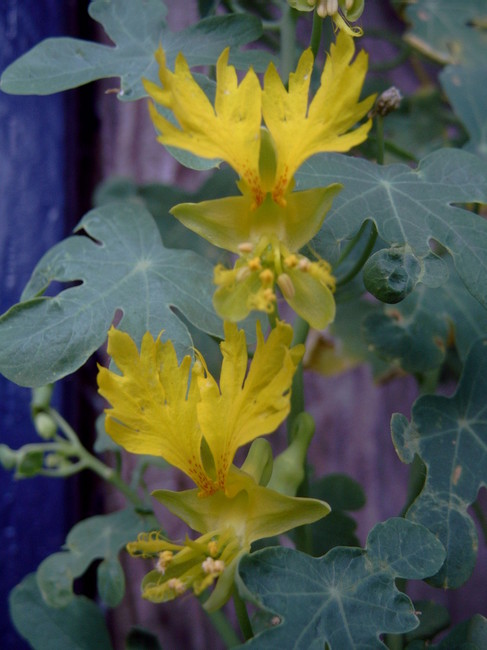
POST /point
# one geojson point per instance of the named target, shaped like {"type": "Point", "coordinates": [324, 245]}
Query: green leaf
{"type": "Point", "coordinates": [78, 626]}
{"type": "Point", "coordinates": [123, 266]}
{"type": "Point", "coordinates": [468, 635]}
{"type": "Point", "coordinates": [466, 88]}
{"type": "Point", "coordinates": [433, 618]}
{"type": "Point", "coordinates": [347, 597]}
{"type": "Point", "coordinates": [99, 537]}
{"type": "Point", "coordinates": [409, 208]}
{"type": "Point", "coordinates": [343, 494]}
{"type": "Point", "coordinates": [111, 581]}
{"type": "Point", "coordinates": [137, 29]}
{"type": "Point", "coordinates": [450, 437]}
{"type": "Point", "coordinates": [446, 30]}
{"type": "Point", "coordinates": [159, 199]}
{"type": "Point", "coordinates": [416, 333]}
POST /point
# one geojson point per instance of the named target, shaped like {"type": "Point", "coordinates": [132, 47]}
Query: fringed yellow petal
{"type": "Point", "coordinates": [299, 133]}
{"type": "Point", "coordinates": [230, 131]}
{"type": "Point", "coordinates": [153, 403]}
{"type": "Point", "coordinates": [237, 414]}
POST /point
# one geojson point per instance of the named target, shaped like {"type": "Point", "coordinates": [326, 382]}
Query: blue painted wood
{"type": "Point", "coordinates": [33, 513]}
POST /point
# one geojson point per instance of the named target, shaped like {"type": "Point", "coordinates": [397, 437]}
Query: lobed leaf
{"type": "Point", "coordinates": [136, 29]}
{"type": "Point", "coordinates": [122, 265]}
{"type": "Point", "coordinates": [450, 437]}
{"type": "Point", "coordinates": [409, 208]}
{"type": "Point", "coordinates": [346, 598]}
{"type": "Point", "coordinates": [99, 537]}
{"type": "Point", "coordinates": [78, 626]}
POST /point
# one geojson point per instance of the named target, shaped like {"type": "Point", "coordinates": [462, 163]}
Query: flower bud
{"type": "Point", "coordinates": [45, 425]}
{"type": "Point", "coordinates": [388, 101]}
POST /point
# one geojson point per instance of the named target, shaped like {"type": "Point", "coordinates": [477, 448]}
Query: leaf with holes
{"type": "Point", "coordinates": [448, 31]}
{"type": "Point", "coordinates": [346, 598]}
{"type": "Point", "coordinates": [409, 208]}
{"type": "Point", "coordinates": [450, 437]}
{"type": "Point", "coordinates": [122, 265]}
{"type": "Point", "coordinates": [136, 29]}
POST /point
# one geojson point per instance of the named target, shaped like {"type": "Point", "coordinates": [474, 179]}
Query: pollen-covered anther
{"type": "Point", "coordinates": [267, 276]}
{"type": "Point", "coordinates": [246, 247]}
{"type": "Point", "coordinates": [164, 558]}
{"type": "Point", "coordinates": [213, 548]}
{"type": "Point", "coordinates": [291, 261]}
{"type": "Point", "coordinates": [254, 264]}
{"type": "Point", "coordinates": [213, 567]}
{"type": "Point", "coordinates": [243, 273]}
{"type": "Point", "coordinates": [286, 286]}
{"type": "Point", "coordinates": [304, 264]}
{"type": "Point", "coordinates": [327, 8]}
{"type": "Point", "coordinates": [177, 586]}
{"type": "Point", "coordinates": [269, 295]}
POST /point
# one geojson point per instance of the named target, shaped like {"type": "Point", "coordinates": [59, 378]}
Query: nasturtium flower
{"type": "Point", "coordinates": [342, 12]}
{"type": "Point", "coordinates": [169, 409]}
{"type": "Point", "coordinates": [268, 223]}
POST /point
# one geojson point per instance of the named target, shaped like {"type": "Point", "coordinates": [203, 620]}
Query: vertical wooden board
{"type": "Point", "coordinates": [32, 208]}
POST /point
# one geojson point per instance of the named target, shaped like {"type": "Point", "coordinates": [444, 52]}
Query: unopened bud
{"type": "Point", "coordinates": [45, 426]}
{"type": "Point", "coordinates": [8, 457]}
{"type": "Point", "coordinates": [388, 101]}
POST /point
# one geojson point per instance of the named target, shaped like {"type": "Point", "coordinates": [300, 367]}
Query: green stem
{"type": "Point", "coordinates": [379, 134]}
{"type": "Point", "coordinates": [273, 316]}
{"type": "Point", "coordinates": [89, 461]}
{"type": "Point", "coordinates": [242, 616]}
{"type": "Point", "coordinates": [224, 628]}
{"type": "Point", "coordinates": [303, 538]}
{"type": "Point", "coordinates": [288, 40]}
{"type": "Point", "coordinates": [301, 329]}
{"type": "Point", "coordinates": [362, 259]}
{"type": "Point", "coordinates": [316, 34]}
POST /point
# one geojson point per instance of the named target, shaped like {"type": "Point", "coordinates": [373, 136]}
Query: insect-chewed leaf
{"type": "Point", "coordinates": [347, 598]}
{"type": "Point", "coordinates": [450, 436]}
{"type": "Point", "coordinates": [122, 265]}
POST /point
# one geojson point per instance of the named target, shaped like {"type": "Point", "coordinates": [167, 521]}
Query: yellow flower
{"type": "Point", "coordinates": [268, 221]}
{"type": "Point", "coordinates": [163, 408]}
